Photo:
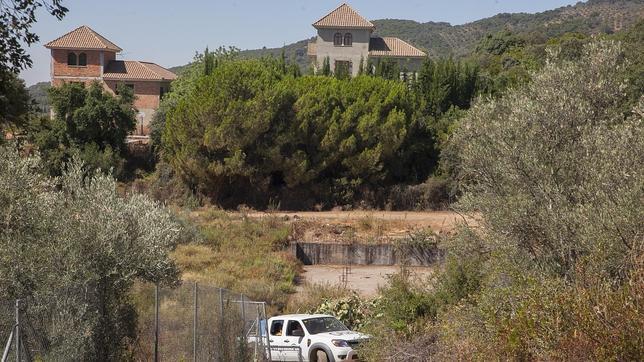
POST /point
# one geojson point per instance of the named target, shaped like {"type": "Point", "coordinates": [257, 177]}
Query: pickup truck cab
{"type": "Point", "coordinates": [312, 338]}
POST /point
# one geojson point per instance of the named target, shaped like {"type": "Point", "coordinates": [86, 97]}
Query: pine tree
{"type": "Point", "coordinates": [283, 67]}
{"type": "Point", "coordinates": [361, 70]}
{"type": "Point", "coordinates": [326, 67]}
{"type": "Point", "coordinates": [208, 62]}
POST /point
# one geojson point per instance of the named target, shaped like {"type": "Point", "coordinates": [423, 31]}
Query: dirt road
{"type": "Point", "coordinates": [364, 279]}
{"type": "Point", "coordinates": [437, 220]}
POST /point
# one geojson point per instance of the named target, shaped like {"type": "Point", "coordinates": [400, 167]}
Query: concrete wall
{"type": "Point", "coordinates": [363, 254]}
{"type": "Point", "coordinates": [358, 50]}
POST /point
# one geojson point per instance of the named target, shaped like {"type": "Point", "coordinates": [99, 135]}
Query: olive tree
{"type": "Point", "coordinates": [555, 168]}
{"type": "Point", "coordinates": [553, 173]}
{"type": "Point", "coordinates": [71, 248]}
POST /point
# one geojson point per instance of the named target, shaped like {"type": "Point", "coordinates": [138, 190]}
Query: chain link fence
{"type": "Point", "coordinates": [191, 322]}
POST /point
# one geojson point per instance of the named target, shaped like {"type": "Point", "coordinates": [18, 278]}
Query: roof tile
{"type": "Point", "coordinates": [392, 47]}
{"type": "Point", "coordinates": [83, 38]}
{"type": "Point", "coordinates": [344, 17]}
{"type": "Point", "coordinates": [135, 70]}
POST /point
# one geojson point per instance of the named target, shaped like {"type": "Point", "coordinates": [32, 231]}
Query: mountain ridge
{"type": "Point", "coordinates": [441, 39]}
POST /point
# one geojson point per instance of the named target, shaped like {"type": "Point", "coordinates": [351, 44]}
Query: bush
{"type": "Point", "coordinates": [266, 135]}
{"type": "Point", "coordinates": [71, 248]}
{"type": "Point", "coordinates": [553, 269]}
{"type": "Point", "coordinates": [313, 295]}
{"type": "Point", "coordinates": [353, 311]}
{"type": "Point", "coordinates": [89, 122]}
{"type": "Point", "coordinates": [239, 253]}
{"type": "Point", "coordinates": [550, 273]}
{"type": "Point", "coordinates": [433, 194]}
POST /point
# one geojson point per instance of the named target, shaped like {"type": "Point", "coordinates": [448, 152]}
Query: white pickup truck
{"type": "Point", "coordinates": [312, 338]}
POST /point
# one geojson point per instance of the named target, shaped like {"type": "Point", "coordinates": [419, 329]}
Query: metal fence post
{"type": "Point", "coordinates": [268, 338]}
{"type": "Point", "coordinates": [17, 339]}
{"type": "Point", "coordinates": [194, 324]}
{"type": "Point", "coordinates": [258, 332]}
{"type": "Point", "coordinates": [243, 312]}
{"type": "Point", "coordinates": [221, 326]}
{"type": "Point", "coordinates": [156, 322]}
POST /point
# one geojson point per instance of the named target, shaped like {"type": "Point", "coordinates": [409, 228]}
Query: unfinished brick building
{"type": "Point", "coordinates": [84, 56]}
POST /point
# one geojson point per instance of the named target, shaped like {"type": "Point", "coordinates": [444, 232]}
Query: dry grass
{"type": "Point", "coordinates": [246, 255]}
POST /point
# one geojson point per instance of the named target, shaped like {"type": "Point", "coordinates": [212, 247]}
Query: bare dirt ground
{"type": "Point", "coordinates": [364, 279]}
{"type": "Point", "coordinates": [365, 226]}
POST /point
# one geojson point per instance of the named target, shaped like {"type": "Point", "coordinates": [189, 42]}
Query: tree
{"type": "Point", "coordinates": [249, 132]}
{"type": "Point", "coordinates": [14, 101]}
{"type": "Point", "coordinates": [553, 173]}
{"type": "Point", "coordinates": [342, 70]}
{"type": "Point", "coordinates": [208, 62]}
{"type": "Point", "coordinates": [202, 65]}
{"type": "Point", "coordinates": [16, 19]}
{"type": "Point", "coordinates": [88, 121]}
{"type": "Point", "coordinates": [388, 69]}
{"type": "Point", "coordinates": [326, 67]}
{"type": "Point", "coordinates": [445, 83]}
{"type": "Point", "coordinates": [71, 249]}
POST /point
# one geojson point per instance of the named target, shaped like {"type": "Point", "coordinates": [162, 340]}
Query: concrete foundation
{"type": "Point", "coordinates": [363, 254]}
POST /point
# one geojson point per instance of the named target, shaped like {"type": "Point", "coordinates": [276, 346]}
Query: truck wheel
{"type": "Point", "coordinates": [321, 356]}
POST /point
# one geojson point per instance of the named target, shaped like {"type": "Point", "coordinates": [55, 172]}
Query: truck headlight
{"type": "Point", "coordinates": [340, 343]}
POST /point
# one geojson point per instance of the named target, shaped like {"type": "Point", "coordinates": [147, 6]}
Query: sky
{"type": "Point", "coordinates": [169, 32]}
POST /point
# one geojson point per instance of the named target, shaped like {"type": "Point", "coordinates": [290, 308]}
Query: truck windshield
{"type": "Point", "coordinates": [324, 324]}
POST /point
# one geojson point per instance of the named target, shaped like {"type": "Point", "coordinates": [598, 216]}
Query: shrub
{"type": "Point", "coordinates": [433, 194]}
{"type": "Point", "coordinates": [71, 248]}
{"type": "Point", "coordinates": [353, 311]}
{"type": "Point", "coordinates": [268, 136]}
{"type": "Point", "coordinates": [313, 295]}
{"type": "Point", "coordinates": [89, 122]}
{"type": "Point", "coordinates": [553, 172]}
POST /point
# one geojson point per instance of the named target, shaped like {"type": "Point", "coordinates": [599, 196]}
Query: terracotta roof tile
{"type": "Point", "coordinates": [83, 38]}
{"type": "Point", "coordinates": [135, 70]}
{"type": "Point", "coordinates": [392, 47]}
{"type": "Point", "coordinates": [344, 17]}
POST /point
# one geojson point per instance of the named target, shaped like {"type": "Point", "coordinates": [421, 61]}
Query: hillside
{"type": "Point", "coordinates": [38, 93]}
{"type": "Point", "coordinates": [443, 39]}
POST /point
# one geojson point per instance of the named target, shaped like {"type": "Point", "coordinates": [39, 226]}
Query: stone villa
{"type": "Point", "coordinates": [84, 56]}
{"type": "Point", "coordinates": [345, 38]}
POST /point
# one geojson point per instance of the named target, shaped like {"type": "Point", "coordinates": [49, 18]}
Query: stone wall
{"type": "Point", "coordinates": [363, 254]}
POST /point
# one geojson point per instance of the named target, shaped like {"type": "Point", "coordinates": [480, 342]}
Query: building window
{"type": "Point", "coordinates": [82, 59]}
{"type": "Point", "coordinates": [71, 59]}
{"type": "Point", "coordinates": [343, 69]}
{"type": "Point", "coordinates": [162, 91]}
{"type": "Point", "coordinates": [348, 39]}
{"type": "Point", "coordinates": [337, 39]}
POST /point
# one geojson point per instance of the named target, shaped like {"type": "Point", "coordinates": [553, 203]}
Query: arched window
{"type": "Point", "coordinates": [71, 59]}
{"type": "Point", "coordinates": [348, 39]}
{"type": "Point", "coordinates": [82, 59]}
{"type": "Point", "coordinates": [337, 39]}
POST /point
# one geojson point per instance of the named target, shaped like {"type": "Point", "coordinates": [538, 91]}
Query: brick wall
{"type": "Point", "coordinates": [59, 82]}
{"type": "Point", "coordinates": [147, 99]}
{"type": "Point", "coordinates": [147, 92]}
{"type": "Point", "coordinates": [92, 69]}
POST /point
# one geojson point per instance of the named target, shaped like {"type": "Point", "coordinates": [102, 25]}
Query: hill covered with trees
{"type": "Point", "coordinates": [441, 39]}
